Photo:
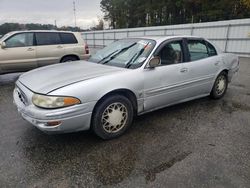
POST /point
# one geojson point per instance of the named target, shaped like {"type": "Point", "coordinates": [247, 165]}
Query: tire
{"type": "Point", "coordinates": [68, 59]}
{"type": "Point", "coordinates": [112, 117]}
{"type": "Point", "coordinates": [220, 86]}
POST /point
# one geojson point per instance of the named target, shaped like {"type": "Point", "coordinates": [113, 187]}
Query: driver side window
{"type": "Point", "coordinates": [20, 40]}
{"type": "Point", "coordinates": [171, 53]}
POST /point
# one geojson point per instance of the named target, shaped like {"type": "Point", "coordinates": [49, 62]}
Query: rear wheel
{"type": "Point", "coordinates": [112, 117]}
{"type": "Point", "coordinates": [220, 86]}
{"type": "Point", "coordinates": [68, 59]}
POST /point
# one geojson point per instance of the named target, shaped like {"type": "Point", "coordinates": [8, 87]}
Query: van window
{"type": "Point", "coordinates": [20, 40]}
{"type": "Point", "coordinates": [68, 38]}
{"type": "Point", "coordinates": [48, 39]}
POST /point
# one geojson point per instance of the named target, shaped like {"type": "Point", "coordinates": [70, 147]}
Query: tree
{"type": "Point", "coordinates": [139, 13]}
{"type": "Point", "coordinates": [99, 26]}
{"type": "Point", "coordinates": [246, 3]}
{"type": "Point", "coordinates": [8, 27]}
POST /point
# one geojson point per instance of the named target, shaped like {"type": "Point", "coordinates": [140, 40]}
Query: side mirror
{"type": "Point", "coordinates": [3, 45]}
{"type": "Point", "coordinates": [154, 62]}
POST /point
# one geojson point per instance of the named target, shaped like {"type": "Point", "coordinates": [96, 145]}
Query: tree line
{"type": "Point", "coordinates": [141, 13]}
{"type": "Point", "coordinates": [8, 27]}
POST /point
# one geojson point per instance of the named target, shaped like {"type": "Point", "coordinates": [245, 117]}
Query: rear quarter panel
{"type": "Point", "coordinates": [231, 63]}
{"type": "Point", "coordinates": [76, 49]}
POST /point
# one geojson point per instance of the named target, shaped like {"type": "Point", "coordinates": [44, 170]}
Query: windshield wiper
{"type": "Point", "coordinates": [132, 60]}
{"type": "Point", "coordinates": [107, 56]}
{"type": "Point", "coordinates": [115, 53]}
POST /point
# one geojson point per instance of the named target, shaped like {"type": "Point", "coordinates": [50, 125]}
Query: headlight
{"type": "Point", "coordinates": [44, 101]}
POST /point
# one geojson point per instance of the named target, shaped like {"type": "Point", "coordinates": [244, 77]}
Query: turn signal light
{"type": "Point", "coordinates": [70, 101]}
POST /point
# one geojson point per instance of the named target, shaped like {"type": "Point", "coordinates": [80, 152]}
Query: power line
{"type": "Point", "coordinates": [74, 9]}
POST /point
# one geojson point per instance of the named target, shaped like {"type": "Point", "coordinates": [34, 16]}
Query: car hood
{"type": "Point", "coordinates": [46, 79]}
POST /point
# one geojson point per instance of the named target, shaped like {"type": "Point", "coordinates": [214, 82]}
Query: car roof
{"type": "Point", "coordinates": [36, 31]}
{"type": "Point", "coordinates": [163, 38]}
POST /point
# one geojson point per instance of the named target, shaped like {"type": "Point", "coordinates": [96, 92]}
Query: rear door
{"type": "Point", "coordinates": [202, 67]}
{"type": "Point", "coordinates": [19, 53]}
{"type": "Point", "coordinates": [50, 49]}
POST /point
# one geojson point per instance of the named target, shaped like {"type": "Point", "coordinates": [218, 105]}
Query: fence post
{"type": "Point", "coordinates": [86, 38]}
{"type": "Point", "coordinates": [192, 30]}
{"type": "Point", "coordinates": [94, 39]}
{"type": "Point", "coordinates": [103, 39]}
{"type": "Point", "coordinates": [165, 32]}
{"type": "Point", "coordinates": [227, 37]}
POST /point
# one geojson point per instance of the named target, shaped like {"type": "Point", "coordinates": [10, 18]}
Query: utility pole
{"type": "Point", "coordinates": [55, 24]}
{"type": "Point", "coordinates": [74, 9]}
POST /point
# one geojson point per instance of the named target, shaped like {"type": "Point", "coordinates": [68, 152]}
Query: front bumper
{"type": "Point", "coordinates": [72, 119]}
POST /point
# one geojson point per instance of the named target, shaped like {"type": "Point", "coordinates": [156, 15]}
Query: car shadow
{"type": "Point", "coordinates": [6, 79]}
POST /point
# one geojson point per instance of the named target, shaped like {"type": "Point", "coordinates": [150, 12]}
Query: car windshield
{"type": "Point", "coordinates": [126, 53]}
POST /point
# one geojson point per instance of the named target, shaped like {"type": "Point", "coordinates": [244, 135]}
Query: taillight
{"type": "Point", "coordinates": [86, 49]}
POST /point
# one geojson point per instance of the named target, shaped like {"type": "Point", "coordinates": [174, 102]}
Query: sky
{"type": "Point", "coordinates": [47, 11]}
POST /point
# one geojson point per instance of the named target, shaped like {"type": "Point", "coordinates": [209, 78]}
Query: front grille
{"type": "Point", "coordinates": [21, 96]}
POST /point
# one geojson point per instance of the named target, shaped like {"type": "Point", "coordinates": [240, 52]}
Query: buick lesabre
{"type": "Point", "coordinates": [129, 77]}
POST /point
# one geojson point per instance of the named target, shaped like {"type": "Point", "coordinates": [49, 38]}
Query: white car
{"type": "Point", "coordinates": [26, 50]}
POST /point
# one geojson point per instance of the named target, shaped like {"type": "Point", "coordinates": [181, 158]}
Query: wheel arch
{"type": "Point", "coordinates": [124, 92]}
{"type": "Point", "coordinates": [223, 70]}
{"type": "Point", "coordinates": [70, 55]}
{"type": "Point", "coordinates": [218, 72]}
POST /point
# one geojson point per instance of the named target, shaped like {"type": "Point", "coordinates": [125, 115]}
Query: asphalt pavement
{"type": "Point", "coordinates": [201, 143]}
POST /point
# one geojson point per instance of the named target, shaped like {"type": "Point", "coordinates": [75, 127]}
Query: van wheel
{"type": "Point", "coordinates": [112, 117]}
{"type": "Point", "coordinates": [68, 59]}
{"type": "Point", "coordinates": [220, 86]}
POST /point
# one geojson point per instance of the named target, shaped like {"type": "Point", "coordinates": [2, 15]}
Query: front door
{"type": "Point", "coordinates": [19, 54]}
{"type": "Point", "coordinates": [165, 84]}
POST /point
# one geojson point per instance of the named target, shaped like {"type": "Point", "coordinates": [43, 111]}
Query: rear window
{"type": "Point", "coordinates": [211, 49]}
{"type": "Point", "coordinates": [48, 39]}
{"type": "Point", "coordinates": [68, 38]}
{"type": "Point", "coordinates": [197, 49]}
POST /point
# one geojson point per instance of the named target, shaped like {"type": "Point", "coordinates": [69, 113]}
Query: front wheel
{"type": "Point", "coordinates": [220, 86]}
{"type": "Point", "coordinates": [112, 117]}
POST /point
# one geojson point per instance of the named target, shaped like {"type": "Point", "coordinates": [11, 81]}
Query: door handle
{"type": "Point", "coordinates": [183, 70]}
{"type": "Point", "coordinates": [30, 49]}
{"type": "Point", "coordinates": [59, 47]}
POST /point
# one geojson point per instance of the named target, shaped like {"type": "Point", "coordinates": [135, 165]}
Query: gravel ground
{"type": "Point", "coordinates": [202, 143]}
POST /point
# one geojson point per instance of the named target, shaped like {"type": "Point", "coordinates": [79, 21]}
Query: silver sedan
{"type": "Point", "coordinates": [127, 78]}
